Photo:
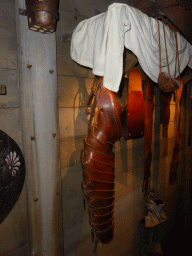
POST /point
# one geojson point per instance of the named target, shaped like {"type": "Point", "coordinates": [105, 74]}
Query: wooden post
{"type": "Point", "coordinates": [39, 115]}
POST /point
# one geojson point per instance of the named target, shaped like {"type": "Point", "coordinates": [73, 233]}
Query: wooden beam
{"type": "Point", "coordinates": [38, 91]}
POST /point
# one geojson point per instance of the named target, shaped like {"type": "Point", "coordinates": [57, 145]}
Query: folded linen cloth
{"type": "Point", "coordinates": [99, 43]}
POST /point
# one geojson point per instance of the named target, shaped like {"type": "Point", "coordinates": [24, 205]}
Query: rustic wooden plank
{"type": "Point", "coordinates": [7, 14]}
{"type": "Point", "coordinates": [67, 23]}
{"type": "Point", "coordinates": [23, 251]}
{"type": "Point", "coordinates": [72, 122]}
{"type": "Point", "coordinates": [2, 90]}
{"type": "Point", "coordinates": [70, 149]}
{"type": "Point", "coordinates": [8, 47]}
{"type": "Point", "coordinates": [39, 119]}
{"type": "Point", "coordinates": [9, 78]}
{"type": "Point", "coordinates": [14, 233]}
{"type": "Point", "coordinates": [89, 9]}
{"type": "Point", "coordinates": [10, 123]}
{"type": "Point", "coordinates": [71, 180]}
{"type": "Point", "coordinates": [72, 209]}
{"type": "Point", "coordinates": [8, 33]}
{"type": "Point", "coordinates": [8, 54]}
{"type": "Point", "coordinates": [73, 91]}
{"type": "Point", "coordinates": [72, 195]}
{"type": "Point", "coordinates": [78, 235]}
{"type": "Point", "coordinates": [65, 64]}
{"type": "Point", "coordinates": [20, 206]}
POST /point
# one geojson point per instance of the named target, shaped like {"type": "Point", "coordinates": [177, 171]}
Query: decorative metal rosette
{"type": "Point", "coordinates": [13, 163]}
{"type": "Point", "coordinates": [12, 174]}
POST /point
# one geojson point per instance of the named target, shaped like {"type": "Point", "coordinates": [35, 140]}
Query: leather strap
{"type": "Point", "coordinates": [133, 116]}
{"type": "Point", "coordinates": [190, 126]}
{"type": "Point", "coordinates": [100, 136]}
{"type": "Point", "coordinates": [165, 98]}
{"type": "Point", "coordinates": [149, 108]}
{"type": "Point", "coordinates": [174, 163]}
{"type": "Point", "coordinates": [99, 157]}
{"type": "Point", "coordinates": [96, 185]}
{"type": "Point", "coordinates": [99, 194]}
{"type": "Point", "coordinates": [102, 210]}
{"type": "Point", "coordinates": [91, 104]}
{"type": "Point", "coordinates": [102, 219]}
{"type": "Point", "coordinates": [94, 143]}
{"type": "Point", "coordinates": [165, 82]}
{"type": "Point", "coordinates": [100, 202]}
{"type": "Point", "coordinates": [99, 175]}
{"type": "Point", "coordinates": [94, 89]}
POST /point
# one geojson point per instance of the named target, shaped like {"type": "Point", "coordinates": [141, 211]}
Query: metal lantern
{"type": "Point", "coordinates": [42, 15]}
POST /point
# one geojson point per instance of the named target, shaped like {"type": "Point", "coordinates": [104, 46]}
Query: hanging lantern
{"type": "Point", "coordinates": [42, 15]}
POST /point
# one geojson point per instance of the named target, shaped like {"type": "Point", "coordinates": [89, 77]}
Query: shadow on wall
{"type": "Point", "coordinates": [155, 166]}
{"type": "Point", "coordinates": [75, 218]}
{"type": "Point", "coordinates": [131, 156]}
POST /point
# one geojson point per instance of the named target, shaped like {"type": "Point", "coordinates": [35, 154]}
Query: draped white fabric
{"type": "Point", "coordinates": [99, 43]}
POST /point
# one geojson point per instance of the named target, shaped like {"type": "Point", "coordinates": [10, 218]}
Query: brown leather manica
{"type": "Point", "coordinates": [98, 160]}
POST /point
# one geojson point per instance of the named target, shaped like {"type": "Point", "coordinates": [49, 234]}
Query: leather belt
{"type": "Point", "coordinates": [165, 98]}
{"type": "Point", "coordinates": [174, 162]}
{"type": "Point", "coordinates": [190, 126]}
{"type": "Point", "coordinates": [149, 108]}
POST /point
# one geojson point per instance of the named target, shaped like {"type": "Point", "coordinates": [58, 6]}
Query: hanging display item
{"type": "Point", "coordinates": [137, 118]}
{"type": "Point", "coordinates": [190, 125]}
{"type": "Point", "coordinates": [133, 119]}
{"type": "Point", "coordinates": [165, 109]}
{"type": "Point", "coordinates": [149, 108]}
{"type": "Point", "coordinates": [42, 15]}
{"type": "Point", "coordinates": [133, 109]}
{"type": "Point", "coordinates": [98, 161]}
{"type": "Point", "coordinates": [165, 99]}
{"type": "Point", "coordinates": [174, 162]}
{"type": "Point", "coordinates": [97, 158]}
{"type": "Point", "coordinates": [12, 174]}
{"type": "Point", "coordinates": [165, 82]}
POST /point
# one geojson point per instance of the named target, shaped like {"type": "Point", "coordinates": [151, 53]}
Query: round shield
{"type": "Point", "coordinates": [12, 174]}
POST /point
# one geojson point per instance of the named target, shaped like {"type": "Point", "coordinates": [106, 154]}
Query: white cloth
{"type": "Point", "coordinates": [99, 43]}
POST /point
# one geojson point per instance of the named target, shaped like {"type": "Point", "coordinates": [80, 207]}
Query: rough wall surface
{"type": "Point", "coordinates": [14, 229]}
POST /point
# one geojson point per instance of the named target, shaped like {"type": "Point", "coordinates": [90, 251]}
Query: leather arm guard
{"type": "Point", "coordinates": [98, 162]}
